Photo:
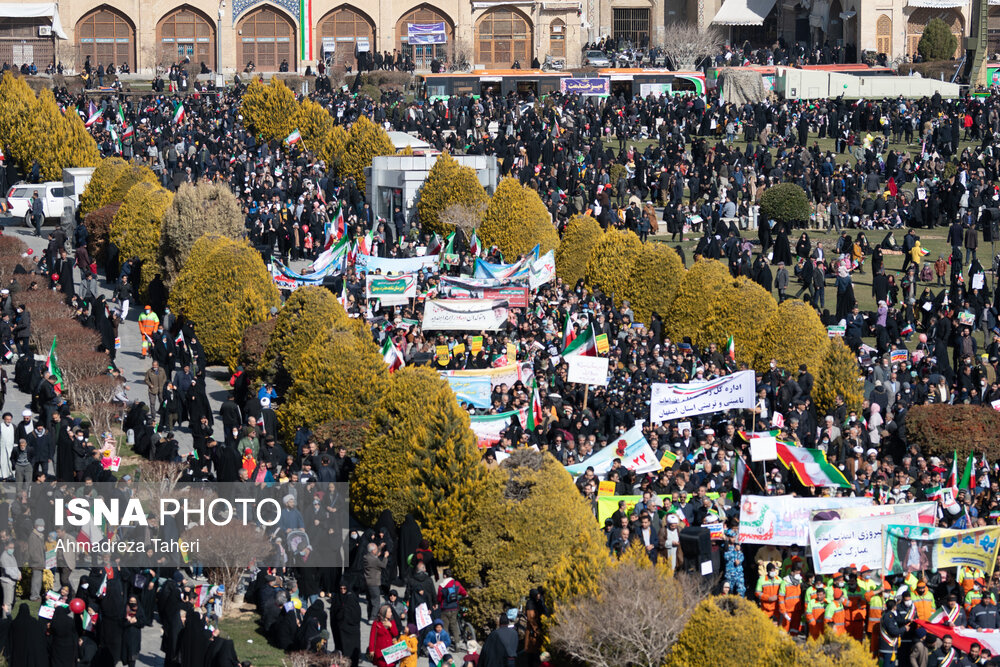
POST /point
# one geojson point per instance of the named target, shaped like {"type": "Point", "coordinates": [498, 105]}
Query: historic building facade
{"type": "Point", "coordinates": [150, 33]}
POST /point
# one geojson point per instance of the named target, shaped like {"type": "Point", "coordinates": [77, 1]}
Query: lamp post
{"type": "Point", "coordinates": [218, 39]}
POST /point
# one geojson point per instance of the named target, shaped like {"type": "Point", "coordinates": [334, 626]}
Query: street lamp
{"type": "Point", "coordinates": [218, 41]}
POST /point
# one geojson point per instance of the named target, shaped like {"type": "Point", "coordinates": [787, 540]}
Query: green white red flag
{"type": "Point", "coordinates": [53, 366]}
{"type": "Point", "coordinates": [392, 356]}
{"type": "Point", "coordinates": [535, 409]}
{"type": "Point", "coordinates": [584, 345]}
{"type": "Point", "coordinates": [811, 466]}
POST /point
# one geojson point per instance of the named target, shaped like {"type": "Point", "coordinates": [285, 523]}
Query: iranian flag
{"type": "Point", "coordinates": [741, 474]}
{"type": "Point", "coordinates": [449, 256]}
{"type": "Point", "coordinates": [535, 409]}
{"type": "Point", "coordinates": [584, 345]}
{"type": "Point", "coordinates": [94, 115]}
{"type": "Point", "coordinates": [53, 367]}
{"type": "Point", "coordinates": [811, 466]}
{"type": "Point", "coordinates": [367, 243]}
{"type": "Point", "coordinates": [294, 137]}
{"type": "Point", "coordinates": [121, 115]}
{"type": "Point", "coordinates": [178, 113]}
{"type": "Point", "coordinates": [128, 132]}
{"type": "Point", "coordinates": [343, 294]}
{"type": "Point", "coordinates": [731, 349]}
{"type": "Point", "coordinates": [569, 333]}
{"type": "Point", "coordinates": [475, 247]}
{"type": "Point", "coordinates": [434, 244]}
{"type": "Point", "coordinates": [392, 356]}
{"type": "Point", "coordinates": [969, 476]}
{"type": "Point", "coordinates": [952, 481]}
{"type": "Point", "coordinates": [116, 141]}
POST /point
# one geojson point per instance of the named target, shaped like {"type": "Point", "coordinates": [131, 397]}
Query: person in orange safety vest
{"type": "Point", "coordinates": [790, 602]}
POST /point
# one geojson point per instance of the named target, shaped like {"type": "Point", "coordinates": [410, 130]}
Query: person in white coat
{"type": "Point", "coordinates": [6, 445]}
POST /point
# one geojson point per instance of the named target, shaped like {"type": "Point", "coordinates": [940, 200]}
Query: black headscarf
{"type": "Point", "coordinates": [28, 646]}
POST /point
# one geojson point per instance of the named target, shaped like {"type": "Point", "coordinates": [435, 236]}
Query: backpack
{"type": "Point", "coordinates": [451, 594]}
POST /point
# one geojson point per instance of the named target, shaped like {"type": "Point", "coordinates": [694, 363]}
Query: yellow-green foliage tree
{"type": "Point", "coordinates": [727, 630]}
{"type": "Point", "coordinates": [514, 541]}
{"type": "Point", "coordinates": [132, 174]}
{"type": "Point", "coordinates": [55, 140]}
{"type": "Point", "coordinates": [340, 377]}
{"type": "Point", "coordinates": [334, 147]}
{"type": "Point", "coordinates": [516, 221]}
{"type": "Point", "coordinates": [838, 375]}
{"type": "Point", "coordinates": [101, 182]}
{"type": "Point", "coordinates": [315, 125]}
{"type": "Point", "coordinates": [197, 210]}
{"type": "Point", "coordinates": [270, 110]}
{"type": "Point", "coordinates": [224, 288]}
{"type": "Point", "coordinates": [696, 292]}
{"type": "Point", "coordinates": [307, 314]}
{"type": "Point", "coordinates": [135, 229]}
{"type": "Point", "coordinates": [573, 253]}
{"type": "Point", "coordinates": [611, 266]}
{"type": "Point", "coordinates": [16, 102]}
{"type": "Point", "coordinates": [832, 650]}
{"type": "Point", "coordinates": [794, 335]}
{"type": "Point", "coordinates": [656, 275]}
{"type": "Point", "coordinates": [365, 141]}
{"type": "Point", "coordinates": [381, 476]}
{"type": "Point", "coordinates": [448, 183]}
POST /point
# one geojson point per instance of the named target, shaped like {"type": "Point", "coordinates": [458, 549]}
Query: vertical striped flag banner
{"type": "Point", "coordinates": [306, 30]}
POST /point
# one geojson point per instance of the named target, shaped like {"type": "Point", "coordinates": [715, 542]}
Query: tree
{"type": "Point", "coordinates": [382, 476]}
{"type": "Point", "coordinates": [98, 225]}
{"type": "Point", "coordinates": [341, 376]}
{"type": "Point", "coordinates": [657, 274]}
{"type": "Point", "coordinates": [315, 125]}
{"type": "Point", "coordinates": [55, 140]}
{"type": "Point", "coordinates": [366, 140]}
{"type": "Point", "coordinates": [611, 266]}
{"type": "Point", "coordinates": [573, 253]}
{"type": "Point", "coordinates": [696, 292]}
{"type": "Point", "coordinates": [101, 181]}
{"type": "Point", "coordinates": [513, 541]}
{"type": "Point", "coordinates": [727, 626]}
{"type": "Point", "coordinates": [16, 102]}
{"type": "Point", "coordinates": [649, 607]}
{"type": "Point", "coordinates": [270, 110]}
{"type": "Point", "coordinates": [832, 650]}
{"type": "Point", "coordinates": [448, 182]}
{"type": "Point", "coordinates": [132, 174]}
{"type": "Point", "coordinates": [516, 221]}
{"type": "Point", "coordinates": [197, 210]}
{"type": "Point", "coordinates": [135, 228]}
{"type": "Point", "coordinates": [940, 429]}
{"type": "Point", "coordinates": [333, 148]}
{"type": "Point", "coordinates": [223, 289]}
{"type": "Point", "coordinates": [785, 203]}
{"type": "Point", "coordinates": [937, 42]}
{"type": "Point", "coordinates": [306, 315]}
{"type": "Point", "coordinates": [254, 343]}
{"type": "Point", "coordinates": [794, 335]}
{"type": "Point", "coordinates": [685, 44]}
{"type": "Point", "coordinates": [838, 375]}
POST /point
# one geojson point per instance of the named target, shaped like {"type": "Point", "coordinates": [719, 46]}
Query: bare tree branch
{"type": "Point", "coordinates": [634, 619]}
{"type": "Point", "coordinates": [684, 44]}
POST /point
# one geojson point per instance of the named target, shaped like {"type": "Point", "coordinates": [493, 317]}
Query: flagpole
{"type": "Point", "coordinates": [750, 470]}
{"type": "Point", "coordinates": [586, 392]}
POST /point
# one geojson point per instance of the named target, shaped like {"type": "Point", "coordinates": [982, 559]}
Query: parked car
{"type": "Point", "coordinates": [50, 192]}
{"type": "Point", "coordinates": [596, 59]}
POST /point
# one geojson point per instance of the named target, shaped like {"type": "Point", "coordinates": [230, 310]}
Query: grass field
{"type": "Point", "coordinates": [241, 627]}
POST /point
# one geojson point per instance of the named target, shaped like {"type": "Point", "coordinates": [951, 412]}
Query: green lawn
{"type": "Point", "coordinates": [250, 645]}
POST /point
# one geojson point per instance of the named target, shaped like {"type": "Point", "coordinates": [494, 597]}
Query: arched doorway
{"type": "Point", "coordinates": [993, 34]}
{"type": "Point", "coordinates": [921, 17]}
{"type": "Point", "coordinates": [266, 37]}
{"type": "Point", "coordinates": [503, 35]}
{"type": "Point", "coordinates": [106, 36]}
{"type": "Point", "coordinates": [435, 43]}
{"type": "Point", "coordinates": [835, 24]}
{"type": "Point", "coordinates": [185, 33]}
{"type": "Point", "coordinates": [342, 31]}
{"type": "Point", "coordinates": [883, 35]}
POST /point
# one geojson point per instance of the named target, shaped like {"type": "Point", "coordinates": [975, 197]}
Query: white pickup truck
{"type": "Point", "coordinates": [50, 192]}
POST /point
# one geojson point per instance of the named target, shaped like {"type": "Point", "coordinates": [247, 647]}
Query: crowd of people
{"type": "Point", "coordinates": [580, 154]}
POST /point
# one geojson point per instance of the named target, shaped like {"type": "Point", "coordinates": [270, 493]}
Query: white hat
{"type": "Point", "coordinates": [265, 402]}
{"type": "Point", "coordinates": [26, 412]}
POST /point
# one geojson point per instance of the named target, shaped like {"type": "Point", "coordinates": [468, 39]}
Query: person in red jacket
{"type": "Point", "coordinates": [384, 634]}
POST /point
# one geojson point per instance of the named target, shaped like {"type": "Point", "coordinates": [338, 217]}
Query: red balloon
{"type": "Point", "coordinates": [76, 605]}
{"type": "Point", "coordinates": [30, 251]}
{"type": "Point", "coordinates": [55, 277]}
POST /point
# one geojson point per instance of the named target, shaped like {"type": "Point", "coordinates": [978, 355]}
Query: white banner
{"type": "Point", "coordinates": [370, 263]}
{"type": "Point", "coordinates": [674, 401]}
{"type": "Point", "coordinates": [587, 370]}
{"type": "Point", "coordinates": [852, 543]}
{"type": "Point", "coordinates": [785, 519]}
{"type": "Point", "coordinates": [464, 314]}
